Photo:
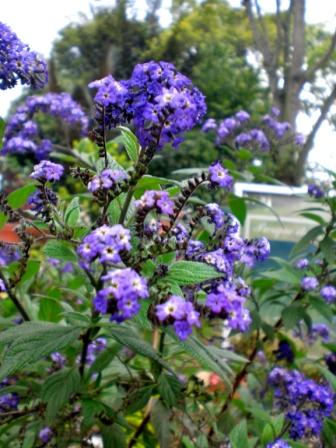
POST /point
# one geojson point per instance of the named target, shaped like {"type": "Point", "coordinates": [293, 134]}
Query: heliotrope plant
{"type": "Point", "coordinates": [114, 299]}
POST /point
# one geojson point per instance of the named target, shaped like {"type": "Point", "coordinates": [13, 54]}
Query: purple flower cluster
{"type": "Point", "coordinates": [45, 434]}
{"type": "Point", "coordinates": [58, 360]}
{"type": "Point", "coordinates": [279, 443]}
{"type": "Point", "coordinates": [220, 177]}
{"type": "Point", "coordinates": [8, 401]}
{"type": "Point", "coordinates": [23, 135]}
{"type": "Point", "coordinates": [305, 402]}
{"type": "Point", "coordinates": [315, 191]}
{"type": "Point", "coordinates": [105, 244]}
{"type": "Point", "coordinates": [106, 180]}
{"type": "Point", "coordinates": [319, 331]}
{"type": "Point", "coordinates": [179, 312]}
{"type": "Point", "coordinates": [239, 133]}
{"type": "Point", "coordinates": [2, 286]}
{"type": "Point", "coordinates": [227, 302]}
{"type": "Point", "coordinates": [309, 283]}
{"type": "Point", "coordinates": [123, 288]}
{"type": "Point", "coordinates": [162, 103]}
{"type": "Point", "coordinates": [39, 200]}
{"type": "Point", "coordinates": [47, 171]}
{"type": "Point", "coordinates": [155, 200]}
{"type": "Point", "coordinates": [302, 263]}
{"type": "Point", "coordinates": [328, 293]}
{"type": "Point", "coordinates": [8, 254]}
{"type": "Point", "coordinates": [94, 348]}
{"type": "Point", "coordinates": [18, 63]}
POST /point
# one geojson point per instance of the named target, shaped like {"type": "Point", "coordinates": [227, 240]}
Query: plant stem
{"type": "Point", "coordinates": [157, 344]}
{"type": "Point", "coordinates": [14, 299]}
{"type": "Point", "coordinates": [127, 202]}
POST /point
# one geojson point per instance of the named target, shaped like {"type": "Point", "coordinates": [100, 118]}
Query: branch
{"type": "Point", "coordinates": [328, 102]}
{"type": "Point", "coordinates": [14, 299]}
{"type": "Point", "coordinates": [310, 72]}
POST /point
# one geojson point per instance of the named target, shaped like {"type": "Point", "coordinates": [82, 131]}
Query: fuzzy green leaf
{"type": "Point", "coordinates": [190, 273]}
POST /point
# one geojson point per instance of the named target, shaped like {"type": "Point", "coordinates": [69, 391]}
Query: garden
{"type": "Point", "coordinates": [139, 306]}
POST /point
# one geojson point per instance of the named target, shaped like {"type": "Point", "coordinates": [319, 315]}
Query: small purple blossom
{"type": "Point", "coordinates": [315, 191]}
{"type": "Point", "coordinates": [155, 200]}
{"type": "Point", "coordinates": [2, 286]}
{"type": "Point", "coordinates": [19, 63]}
{"type": "Point", "coordinates": [181, 313]}
{"type": "Point", "coordinates": [242, 116]}
{"type": "Point", "coordinates": [302, 263]}
{"type": "Point", "coordinates": [106, 180]}
{"type": "Point", "coordinates": [47, 171]}
{"type": "Point", "coordinates": [209, 125]}
{"type": "Point", "coordinates": [45, 434]}
{"type": "Point", "coordinates": [328, 293]}
{"type": "Point", "coordinates": [220, 177]}
{"type": "Point", "coordinates": [279, 443]}
{"type": "Point", "coordinates": [309, 283]}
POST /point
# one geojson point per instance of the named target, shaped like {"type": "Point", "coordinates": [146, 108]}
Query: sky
{"type": "Point", "coordinates": [37, 23]}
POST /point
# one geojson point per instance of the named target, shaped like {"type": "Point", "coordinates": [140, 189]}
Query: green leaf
{"type": "Point", "coordinates": [313, 217]}
{"type": "Point", "coordinates": [160, 418]}
{"type": "Point", "coordinates": [190, 273]}
{"type": "Point", "coordinates": [29, 342]}
{"type": "Point", "coordinates": [208, 359]}
{"type": "Point", "coordinates": [306, 240]}
{"type": "Point", "coordinates": [31, 271]}
{"type": "Point", "coordinates": [238, 208]}
{"type": "Point", "coordinates": [238, 436]}
{"type": "Point", "coordinates": [126, 337]}
{"type": "Point", "coordinates": [104, 359]}
{"type": "Point", "coordinates": [2, 130]}
{"type": "Point", "coordinates": [330, 377]}
{"type": "Point", "coordinates": [113, 436]}
{"type": "Point", "coordinates": [131, 143]}
{"type": "Point", "coordinates": [60, 250]}
{"type": "Point", "coordinates": [19, 197]}
{"type": "Point", "coordinates": [139, 398]}
{"type": "Point", "coordinates": [58, 389]}
{"type": "Point", "coordinates": [267, 434]}
{"type": "Point", "coordinates": [50, 310]}
{"type": "Point", "coordinates": [292, 315]}
{"type": "Point", "coordinates": [72, 213]}
{"type": "Point", "coordinates": [328, 248]}
{"type": "Point", "coordinates": [170, 389]}
{"type": "Point", "coordinates": [3, 220]}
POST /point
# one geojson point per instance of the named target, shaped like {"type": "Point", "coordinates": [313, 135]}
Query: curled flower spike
{"type": "Point", "coordinates": [18, 63]}
{"type": "Point", "coordinates": [47, 171]}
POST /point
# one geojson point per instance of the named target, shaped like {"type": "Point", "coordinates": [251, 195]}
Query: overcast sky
{"type": "Point", "coordinates": [37, 23]}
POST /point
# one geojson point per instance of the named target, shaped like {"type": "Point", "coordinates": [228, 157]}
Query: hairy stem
{"type": "Point", "coordinates": [14, 299]}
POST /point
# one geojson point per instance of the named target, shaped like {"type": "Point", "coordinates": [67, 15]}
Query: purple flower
{"type": "Point", "coordinates": [309, 283]}
{"type": "Point", "coordinates": [181, 312]}
{"type": "Point", "coordinates": [45, 434]}
{"type": "Point", "coordinates": [305, 402]}
{"type": "Point", "coordinates": [39, 202]}
{"type": "Point", "coordinates": [8, 401]}
{"type": "Point", "coordinates": [219, 176]}
{"type": "Point", "coordinates": [105, 243]}
{"type": "Point", "coordinates": [243, 139]}
{"type": "Point", "coordinates": [47, 171]}
{"type": "Point", "coordinates": [123, 288]}
{"type": "Point", "coordinates": [106, 180]}
{"type": "Point", "coordinates": [279, 443]}
{"type": "Point", "coordinates": [215, 214]}
{"type": "Point", "coordinates": [162, 103]}
{"type": "Point", "coordinates": [58, 359]}
{"type": "Point", "coordinates": [299, 139]}
{"type": "Point", "coordinates": [18, 63]}
{"type": "Point", "coordinates": [315, 191]}
{"type": "Point", "coordinates": [2, 286]}
{"type": "Point", "coordinates": [328, 292]}
{"type": "Point", "coordinates": [242, 116]}
{"type": "Point", "coordinates": [260, 139]}
{"type": "Point", "coordinates": [209, 125]}
{"type": "Point", "coordinates": [302, 263]}
{"type": "Point", "coordinates": [23, 135]}
{"type": "Point", "coordinates": [319, 330]}
{"type": "Point", "coordinates": [284, 351]}
{"type": "Point", "coordinates": [155, 199]}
